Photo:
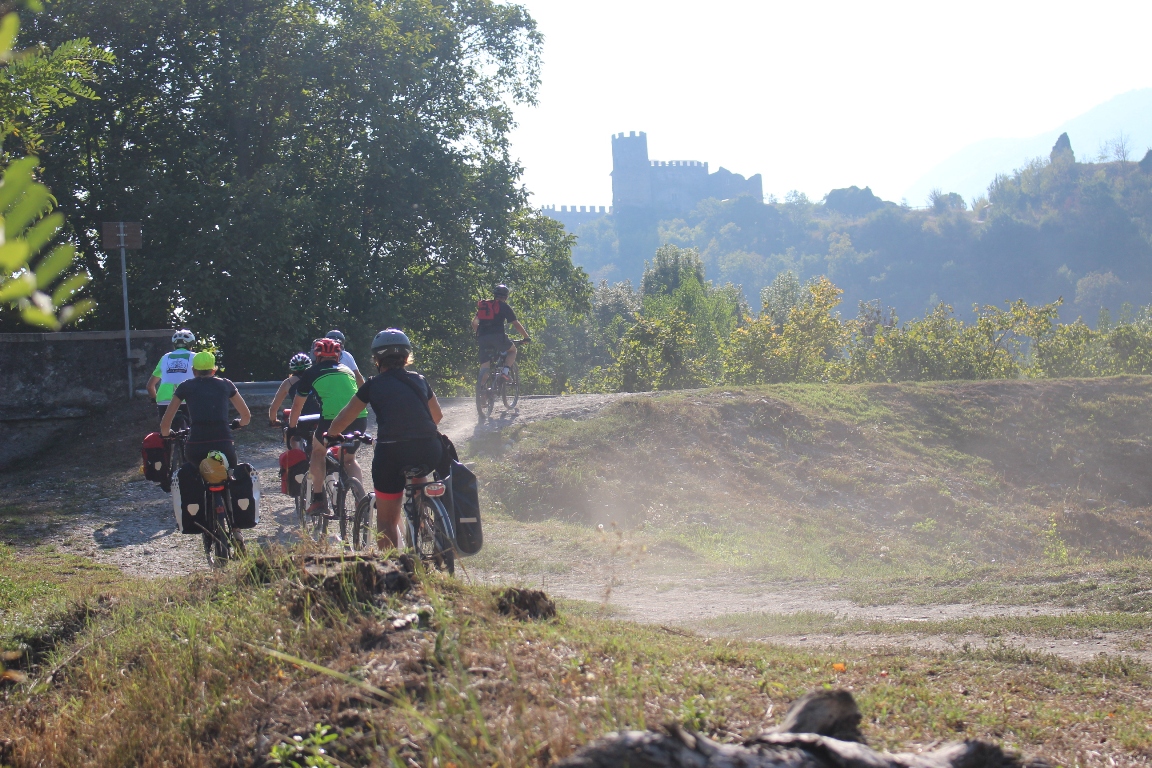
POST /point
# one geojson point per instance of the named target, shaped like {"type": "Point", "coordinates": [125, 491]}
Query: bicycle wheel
{"type": "Point", "coordinates": [363, 523]}
{"type": "Point", "coordinates": [481, 401]}
{"type": "Point", "coordinates": [216, 549]}
{"type": "Point", "coordinates": [445, 545]}
{"type": "Point", "coordinates": [490, 394]}
{"type": "Point", "coordinates": [510, 390]}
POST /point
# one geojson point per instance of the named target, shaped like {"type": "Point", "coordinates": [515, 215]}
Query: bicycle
{"type": "Point", "coordinates": [222, 540]}
{"type": "Point", "coordinates": [176, 440]}
{"type": "Point", "coordinates": [303, 497]}
{"type": "Point", "coordinates": [337, 484]}
{"type": "Point", "coordinates": [507, 387]}
{"type": "Point", "coordinates": [428, 528]}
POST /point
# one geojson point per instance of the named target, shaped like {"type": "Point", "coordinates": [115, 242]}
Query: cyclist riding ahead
{"type": "Point", "coordinates": [299, 363]}
{"type": "Point", "coordinates": [334, 385]}
{"type": "Point", "coordinates": [207, 396]}
{"type": "Point", "coordinates": [173, 369]}
{"type": "Point", "coordinates": [406, 417]}
{"type": "Point", "coordinates": [491, 336]}
{"type": "Point", "coordinates": [346, 358]}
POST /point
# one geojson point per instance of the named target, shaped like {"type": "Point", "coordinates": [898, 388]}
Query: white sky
{"type": "Point", "coordinates": [813, 95]}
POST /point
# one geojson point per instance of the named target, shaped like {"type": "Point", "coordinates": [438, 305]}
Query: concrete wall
{"type": "Point", "coordinates": [47, 380]}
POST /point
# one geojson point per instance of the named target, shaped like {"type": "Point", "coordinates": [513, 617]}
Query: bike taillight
{"type": "Point", "coordinates": [216, 488]}
{"type": "Point", "coordinates": [434, 489]}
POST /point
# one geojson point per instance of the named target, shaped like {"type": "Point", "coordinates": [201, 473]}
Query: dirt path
{"type": "Point", "coordinates": [132, 526]}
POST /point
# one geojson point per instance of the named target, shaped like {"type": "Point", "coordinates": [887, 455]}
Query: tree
{"type": "Point", "coordinates": [299, 167]}
{"type": "Point", "coordinates": [669, 268]}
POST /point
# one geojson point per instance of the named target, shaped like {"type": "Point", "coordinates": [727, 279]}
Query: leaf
{"type": "Point", "coordinates": [14, 255]}
{"type": "Point", "coordinates": [53, 264]}
{"type": "Point", "coordinates": [9, 26]}
{"type": "Point", "coordinates": [80, 308]}
{"type": "Point", "coordinates": [839, 667]}
{"type": "Point", "coordinates": [68, 288]}
{"type": "Point", "coordinates": [43, 232]}
{"type": "Point", "coordinates": [33, 315]}
{"type": "Point", "coordinates": [35, 200]}
{"type": "Point", "coordinates": [16, 179]}
{"type": "Point", "coordinates": [17, 288]}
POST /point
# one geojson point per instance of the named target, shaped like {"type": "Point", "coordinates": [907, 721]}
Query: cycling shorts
{"type": "Point", "coordinates": [391, 459]}
{"type": "Point", "coordinates": [491, 345]}
{"type": "Point", "coordinates": [358, 425]}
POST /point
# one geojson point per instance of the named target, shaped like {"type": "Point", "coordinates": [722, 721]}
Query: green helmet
{"type": "Point", "coordinates": [203, 361]}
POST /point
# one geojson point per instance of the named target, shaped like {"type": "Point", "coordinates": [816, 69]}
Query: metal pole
{"type": "Point", "coordinates": [127, 331]}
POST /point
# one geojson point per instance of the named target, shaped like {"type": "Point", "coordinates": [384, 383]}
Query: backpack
{"type": "Point", "coordinates": [487, 309]}
{"type": "Point", "coordinates": [293, 465]}
{"type": "Point", "coordinates": [154, 454]}
{"type": "Point", "coordinates": [244, 489]}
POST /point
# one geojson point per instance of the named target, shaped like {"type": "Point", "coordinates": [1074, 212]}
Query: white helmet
{"type": "Point", "coordinates": [183, 338]}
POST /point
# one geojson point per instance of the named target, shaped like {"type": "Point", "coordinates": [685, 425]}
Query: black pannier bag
{"type": "Point", "coordinates": [188, 499]}
{"type": "Point", "coordinates": [465, 509]}
{"type": "Point", "coordinates": [154, 454]}
{"type": "Point", "coordinates": [245, 492]}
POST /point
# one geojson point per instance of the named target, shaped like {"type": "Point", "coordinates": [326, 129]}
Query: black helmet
{"type": "Point", "coordinates": [390, 337]}
{"type": "Point", "coordinates": [335, 335]}
{"type": "Point", "coordinates": [501, 291]}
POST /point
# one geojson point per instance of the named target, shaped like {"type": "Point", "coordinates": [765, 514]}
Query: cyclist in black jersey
{"type": "Point", "coordinates": [207, 396]}
{"type": "Point", "coordinates": [491, 335]}
{"type": "Point", "coordinates": [407, 413]}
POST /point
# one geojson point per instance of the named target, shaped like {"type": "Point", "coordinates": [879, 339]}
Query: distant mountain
{"type": "Point", "coordinates": [969, 171]}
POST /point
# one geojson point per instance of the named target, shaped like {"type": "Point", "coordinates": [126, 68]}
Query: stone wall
{"type": "Point", "coordinates": [48, 380]}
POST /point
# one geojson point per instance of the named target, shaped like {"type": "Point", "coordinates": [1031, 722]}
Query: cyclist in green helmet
{"type": "Point", "coordinates": [208, 397]}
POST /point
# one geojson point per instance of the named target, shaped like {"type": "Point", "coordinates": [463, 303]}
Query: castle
{"type": "Point", "coordinates": [646, 190]}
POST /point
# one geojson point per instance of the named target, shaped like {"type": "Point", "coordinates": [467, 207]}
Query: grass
{"type": "Point", "coordinates": [174, 675]}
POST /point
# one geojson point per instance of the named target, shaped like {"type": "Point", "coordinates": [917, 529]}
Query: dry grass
{"type": "Point", "coordinates": [174, 677]}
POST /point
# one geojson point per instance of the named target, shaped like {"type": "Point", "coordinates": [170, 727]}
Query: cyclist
{"type": "Point", "coordinates": [346, 358]}
{"type": "Point", "coordinates": [173, 369]}
{"type": "Point", "coordinates": [334, 385]}
{"type": "Point", "coordinates": [407, 413]}
{"type": "Point", "coordinates": [299, 363]}
{"type": "Point", "coordinates": [491, 336]}
{"type": "Point", "coordinates": [207, 396]}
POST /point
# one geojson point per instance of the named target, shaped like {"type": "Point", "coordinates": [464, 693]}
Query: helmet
{"type": "Point", "coordinates": [203, 361]}
{"type": "Point", "coordinates": [327, 349]}
{"type": "Point", "coordinates": [299, 362]}
{"type": "Point", "coordinates": [182, 338]}
{"type": "Point", "coordinates": [390, 337]}
{"type": "Point", "coordinates": [214, 468]}
{"type": "Point", "coordinates": [335, 335]}
{"type": "Point", "coordinates": [501, 291]}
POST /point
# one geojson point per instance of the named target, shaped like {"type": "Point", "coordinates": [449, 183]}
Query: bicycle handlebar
{"type": "Point", "coordinates": [351, 437]}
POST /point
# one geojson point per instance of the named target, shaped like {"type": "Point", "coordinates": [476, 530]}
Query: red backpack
{"type": "Point", "coordinates": [487, 309]}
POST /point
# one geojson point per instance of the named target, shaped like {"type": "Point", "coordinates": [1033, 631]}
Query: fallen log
{"type": "Point", "coordinates": [829, 737]}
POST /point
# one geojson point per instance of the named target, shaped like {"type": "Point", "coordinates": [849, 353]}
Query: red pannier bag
{"type": "Point", "coordinates": [293, 465]}
{"type": "Point", "coordinates": [154, 454]}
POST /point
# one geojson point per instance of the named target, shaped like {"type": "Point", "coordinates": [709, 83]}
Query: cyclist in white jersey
{"type": "Point", "coordinates": [173, 369]}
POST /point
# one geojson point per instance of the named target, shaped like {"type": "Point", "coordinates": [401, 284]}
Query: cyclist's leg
{"type": "Point", "coordinates": [511, 348]}
{"type": "Point", "coordinates": [316, 463]}
{"type": "Point", "coordinates": [388, 482]}
{"type": "Point", "coordinates": [350, 463]}
{"type": "Point", "coordinates": [484, 357]}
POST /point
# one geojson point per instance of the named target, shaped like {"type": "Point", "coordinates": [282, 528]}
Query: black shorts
{"type": "Point", "coordinates": [391, 459]}
{"type": "Point", "coordinates": [194, 453]}
{"type": "Point", "coordinates": [358, 425]}
{"type": "Point", "coordinates": [491, 345]}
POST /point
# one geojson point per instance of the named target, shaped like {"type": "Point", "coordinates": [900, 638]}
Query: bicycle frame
{"type": "Point", "coordinates": [418, 496]}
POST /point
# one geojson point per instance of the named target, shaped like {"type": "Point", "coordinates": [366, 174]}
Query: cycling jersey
{"type": "Point", "coordinates": [495, 326]}
{"type": "Point", "coordinates": [333, 384]}
{"type": "Point", "coordinates": [400, 413]}
{"type": "Point", "coordinates": [207, 399]}
{"type": "Point", "coordinates": [346, 359]}
{"type": "Point", "coordinates": [173, 369]}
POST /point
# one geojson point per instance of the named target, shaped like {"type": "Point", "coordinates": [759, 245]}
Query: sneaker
{"type": "Point", "coordinates": [319, 505]}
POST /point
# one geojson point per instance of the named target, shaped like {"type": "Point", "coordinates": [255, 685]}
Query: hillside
{"type": "Point", "coordinates": [1059, 228]}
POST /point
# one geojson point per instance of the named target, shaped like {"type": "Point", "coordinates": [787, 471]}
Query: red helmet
{"type": "Point", "coordinates": [327, 349]}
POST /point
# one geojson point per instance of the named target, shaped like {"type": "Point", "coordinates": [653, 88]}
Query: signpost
{"type": "Point", "coordinates": [125, 235]}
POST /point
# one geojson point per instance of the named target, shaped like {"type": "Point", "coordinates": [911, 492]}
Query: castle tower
{"type": "Point", "coordinates": [631, 171]}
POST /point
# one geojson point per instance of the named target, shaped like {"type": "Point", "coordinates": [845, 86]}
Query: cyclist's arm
{"type": "Point", "coordinates": [169, 414]}
{"type": "Point", "coordinates": [241, 408]}
{"type": "Point", "coordinates": [354, 408]}
{"type": "Point", "coordinates": [281, 393]}
{"type": "Point", "coordinates": [152, 384]}
{"type": "Point", "coordinates": [434, 409]}
{"type": "Point", "coordinates": [297, 409]}
{"type": "Point", "coordinates": [359, 378]}
{"type": "Point", "coordinates": [475, 323]}
{"type": "Point", "coordinates": [520, 327]}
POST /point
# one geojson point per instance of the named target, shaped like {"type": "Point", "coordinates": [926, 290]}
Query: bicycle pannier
{"type": "Point", "coordinates": [487, 309]}
{"type": "Point", "coordinates": [188, 499]}
{"type": "Point", "coordinates": [293, 466]}
{"type": "Point", "coordinates": [154, 453]}
{"type": "Point", "coordinates": [245, 492]}
{"type": "Point", "coordinates": [466, 510]}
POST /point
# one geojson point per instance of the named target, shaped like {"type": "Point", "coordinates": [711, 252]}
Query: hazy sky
{"type": "Point", "coordinates": [813, 95]}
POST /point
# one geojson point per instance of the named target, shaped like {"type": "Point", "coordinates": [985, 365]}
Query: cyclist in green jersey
{"type": "Point", "coordinates": [334, 386]}
{"type": "Point", "coordinates": [173, 370]}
